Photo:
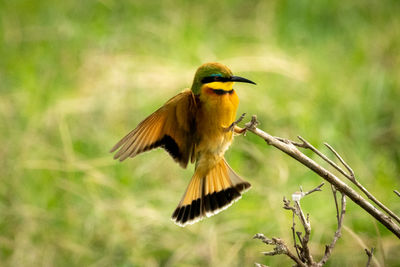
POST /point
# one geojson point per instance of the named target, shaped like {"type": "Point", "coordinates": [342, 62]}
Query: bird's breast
{"type": "Point", "coordinates": [216, 113]}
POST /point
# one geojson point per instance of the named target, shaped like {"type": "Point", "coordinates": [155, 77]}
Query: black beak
{"type": "Point", "coordinates": [240, 80]}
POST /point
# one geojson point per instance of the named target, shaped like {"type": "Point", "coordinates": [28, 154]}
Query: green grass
{"type": "Point", "coordinates": [76, 76]}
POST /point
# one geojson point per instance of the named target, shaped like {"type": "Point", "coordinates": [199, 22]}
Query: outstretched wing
{"type": "Point", "coordinates": [170, 127]}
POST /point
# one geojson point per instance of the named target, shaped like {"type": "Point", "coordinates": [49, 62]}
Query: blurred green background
{"type": "Point", "coordinates": [75, 76]}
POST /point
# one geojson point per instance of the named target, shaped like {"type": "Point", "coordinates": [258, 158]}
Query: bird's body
{"type": "Point", "coordinates": [196, 125]}
{"type": "Point", "coordinates": [217, 113]}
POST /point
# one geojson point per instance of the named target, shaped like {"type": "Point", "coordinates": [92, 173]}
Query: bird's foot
{"type": "Point", "coordinates": [234, 128]}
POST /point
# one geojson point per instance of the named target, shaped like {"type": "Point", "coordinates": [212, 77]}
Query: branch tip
{"type": "Point", "coordinates": [252, 125]}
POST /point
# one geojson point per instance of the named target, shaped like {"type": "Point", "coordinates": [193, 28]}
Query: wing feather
{"type": "Point", "coordinates": [135, 144]}
{"type": "Point", "coordinates": [152, 135]}
{"type": "Point", "coordinates": [170, 127]}
{"type": "Point", "coordinates": [129, 144]}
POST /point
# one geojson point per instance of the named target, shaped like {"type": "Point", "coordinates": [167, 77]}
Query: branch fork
{"type": "Point", "coordinates": [303, 256]}
{"type": "Point", "coordinates": [390, 220]}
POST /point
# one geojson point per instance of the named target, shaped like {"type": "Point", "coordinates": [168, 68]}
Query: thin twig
{"type": "Point", "coordinates": [304, 254]}
{"type": "Point", "coordinates": [287, 141]}
{"type": "Point", "coordinates": [307, 232]}
{"type": "Point", "coordinates": [280, 248]}
{"type": "Point", "coordinates": [300, 237]}
{"type": "Point", "coordinates": [307, 145]}
{"type": "Point", "coordinates": [294, 236]}
{"type": "Point", "coordinates": [369, 254]}
{"type": "Point", "coordinates": [292, 151]}
{"type": "Point", "coordinates": [334, 191]}
{"type": "Point", "coordinates": [357, 239]}
{"type": "Point", "coordinates": [318, 188]}
{"type": "Point", "coordinates": [396, 192]}
{"type": "Point", "coordinates": [338, 233]}
{"type": "Point", "coordinates": [353, 179]}
{"type": "Point", "coordinates": [350, 170]}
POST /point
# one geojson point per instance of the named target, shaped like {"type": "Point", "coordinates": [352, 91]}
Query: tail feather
{"type": "Point", "coordinates": [207, 196]}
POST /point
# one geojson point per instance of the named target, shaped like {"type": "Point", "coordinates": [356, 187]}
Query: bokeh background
{"type": "Point", "coordinates": [75, 76]}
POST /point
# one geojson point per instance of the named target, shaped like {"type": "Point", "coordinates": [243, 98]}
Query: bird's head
{"type": "Point", "coordinates": [216, 76]}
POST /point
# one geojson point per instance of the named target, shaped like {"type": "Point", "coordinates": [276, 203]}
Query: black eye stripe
{"type": "Point", "coordinates": [222, 92]}
{"type": "Point", "coordinates": [210, 79]}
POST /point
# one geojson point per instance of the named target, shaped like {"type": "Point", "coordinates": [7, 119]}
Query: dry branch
{"type": "Point", "coordinates": [351, 176]}
{"type": "Point", "coordinates": [290, 148]}
{"type": "Point", "coordinates": [304, 256]}
{"type": "Point", "coordinates": [280, 248]}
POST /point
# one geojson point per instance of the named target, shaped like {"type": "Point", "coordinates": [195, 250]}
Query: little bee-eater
{"type": "Point", "coordinates": [197, 124]}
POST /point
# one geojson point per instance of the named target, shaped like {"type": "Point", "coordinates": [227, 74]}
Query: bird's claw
{"type": "Point", "coordinates": [231, 128]}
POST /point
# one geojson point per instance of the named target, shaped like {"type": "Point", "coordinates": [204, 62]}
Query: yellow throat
{"type": "Point", "coordinates": [226, 86]}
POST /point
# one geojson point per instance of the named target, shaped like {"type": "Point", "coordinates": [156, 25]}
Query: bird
{"type": "Point", "coordinates": [197, 125]}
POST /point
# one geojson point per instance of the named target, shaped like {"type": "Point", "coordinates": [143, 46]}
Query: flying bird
{"type": "Point", "coordinates": [198, 125]}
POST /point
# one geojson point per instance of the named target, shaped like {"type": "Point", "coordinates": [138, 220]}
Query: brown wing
{"type": "Point", "coordinates": [170, 127]}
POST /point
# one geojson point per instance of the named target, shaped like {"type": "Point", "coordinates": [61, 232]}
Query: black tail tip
{"type": "Point", "coordinates": [243, 187]}
{"type": "Point", "coordinates": [208, 205]}
{"type": "Point", "coordinates": [188, 214]}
